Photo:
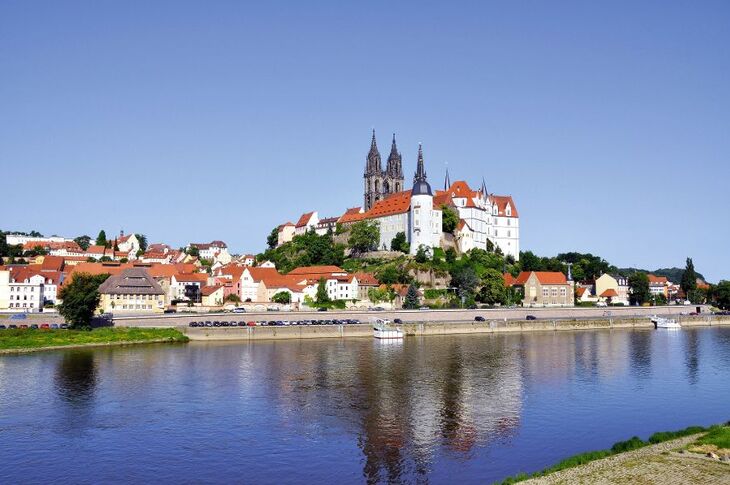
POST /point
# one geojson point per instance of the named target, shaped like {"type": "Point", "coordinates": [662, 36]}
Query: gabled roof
{"type": "Point", "coordinates": [397, 203]}
{"type": "Point", "coordinates": [192, 277]}
{"type": "Point", "coordinates": [509, 280]}
{"type": "Point", "coordinates": [463, 224]}
{"type": "Point", "coordinates": [657, 280]}
{"type": "Point", "coordinates": [304, 219]}
{"type": "Point", "coordinates": [366, 279]}
{"type": "Point", "coordinates": [501, 201]}
{"type": "Point", "coordinates": [609, 293]}
{"type": "Point", "coordinates": [131, 281]}
{"type": "Point", "coordinates": [52, 263]}
{"type": "Point", "coordinates": [544, 277]}
{"type": "Point", "coordinates": [209, 290]}
{"type": "Point", "coordinates": [353, 214]}
{"type": "Point", "coordinates": [581, 291]}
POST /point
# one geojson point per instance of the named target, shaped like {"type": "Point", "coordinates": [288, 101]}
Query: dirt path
{"type": "Point", "coordinates": [645, 466]}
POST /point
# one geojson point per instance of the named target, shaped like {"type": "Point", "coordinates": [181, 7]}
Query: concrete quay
{"type": "Point", "coordinates": [412, 316]}
{"type": "Point", "coordinates": [436, 328]}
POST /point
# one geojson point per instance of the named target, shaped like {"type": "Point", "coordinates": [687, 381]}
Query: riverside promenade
{"type": "Point", "coordinates": [426, 322]}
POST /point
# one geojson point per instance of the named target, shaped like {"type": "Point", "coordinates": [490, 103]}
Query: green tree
{"type": "Point", "coordinates": [322, 297]}
{"type": "Point", "coordinates": [36, 251]}
{"type": "Point", "coordinates": [234, 298]}
{"type": "Point", "coordinates": [399, 243]}
{"type": "Point", "coordinates": [689, 278]}
{"type": "Point", "coordinates": [273, 238]}
{"type": "Point", "coordinates": [493, 289]}
{"type": "Point", "coordinates": [465, 280]}
{"type": "Point", "coordinates": [80, 299]}
{"type": "Point", "coordinates": [422, 255]}
{"type": "Point", "coordinates": [721, 294]}
{"type": "Point", "coordinates": [193, 251]}
{"type": "Point", "coordinates": [364, 237]}
{"type": "Point", "coordinates": [449, 219]}
{"type": "Point", "coordinates": [411, 301]}
{"type": "Point", "coordinates": [101, 238]}
{"type": "Point", "coordinates": [142, 242]}
{"type": "Point", "coordinates": [115, 246]}
{"type": "Point", "coordinates": [282, 297]}
{"type": "Point", "coordinates": [639, 288]}
{"type": "Point", "coordinates": [450, 255]}
{"type": "Point", "coordinates": [83, 241]}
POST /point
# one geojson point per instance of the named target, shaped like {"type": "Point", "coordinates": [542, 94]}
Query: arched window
{"type": "Point", "coordinates": [377, 185]}
{"type": "Point", "coordinates": [386, 187]}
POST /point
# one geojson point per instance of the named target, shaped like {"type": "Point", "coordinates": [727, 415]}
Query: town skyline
{"type": "Point", "coordinates": [611, 147]}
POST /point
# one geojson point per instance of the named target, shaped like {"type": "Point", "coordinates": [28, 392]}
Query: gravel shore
{"type": "Point", "coordinates": [645, 466]}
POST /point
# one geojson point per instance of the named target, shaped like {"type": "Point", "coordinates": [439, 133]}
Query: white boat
{"type": "Point", "coordinates": [661, 322]}
{"type": "Point", "coordinates": [382, 329]}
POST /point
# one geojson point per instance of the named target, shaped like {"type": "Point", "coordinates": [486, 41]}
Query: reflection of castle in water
{"type": "Point", "coordinates": [405, 401]}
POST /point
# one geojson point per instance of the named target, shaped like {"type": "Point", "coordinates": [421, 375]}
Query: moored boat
{"type": "Point", "coordinates": [661, 322]}
{"type": "Point", "coordinates": [382, 329]}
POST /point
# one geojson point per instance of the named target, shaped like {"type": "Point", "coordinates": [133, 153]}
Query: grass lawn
{"type": "Point", "coordinates": [35, 339]}
{"type": "Point", "coordinates": [718, 436]}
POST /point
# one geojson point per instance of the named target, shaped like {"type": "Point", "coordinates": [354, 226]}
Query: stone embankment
{"type": "Point", "coordinates": [432, 328]}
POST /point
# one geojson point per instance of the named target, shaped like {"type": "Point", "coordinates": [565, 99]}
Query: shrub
{"type": "Point", "coordinates": [628, 445]}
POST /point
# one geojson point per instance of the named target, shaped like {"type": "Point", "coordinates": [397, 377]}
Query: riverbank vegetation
{"type": "Point", "coordinates": [718, 432]}
{"type": "Point", "coordinates": [33, 339]}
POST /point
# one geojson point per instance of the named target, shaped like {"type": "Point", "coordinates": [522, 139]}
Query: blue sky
{"type": "Point", "coordinates": [608, 123]}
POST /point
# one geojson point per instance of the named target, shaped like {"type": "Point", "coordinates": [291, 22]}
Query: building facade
{"type": "Point", "coordinates": [381, 183]}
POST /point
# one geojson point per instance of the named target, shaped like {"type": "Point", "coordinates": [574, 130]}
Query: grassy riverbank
{"type": "Point", "coordinates": [29, 339]}
{"type": "Point", "coordinates": [717, 433]}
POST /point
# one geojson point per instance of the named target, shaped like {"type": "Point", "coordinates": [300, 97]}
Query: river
{"type": "Point", "coordinates": [426, 410]}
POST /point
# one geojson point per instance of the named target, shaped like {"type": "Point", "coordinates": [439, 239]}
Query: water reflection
{"type": "Point", "coordinates": [75, 380]}
{"type": "Point", "coordinates": [692, 356]}
{"type": "Point", "coordinates": [640, 354]}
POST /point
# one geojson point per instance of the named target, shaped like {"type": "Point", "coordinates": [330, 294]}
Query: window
{"type": "Point", "coordinates": [545, 292]}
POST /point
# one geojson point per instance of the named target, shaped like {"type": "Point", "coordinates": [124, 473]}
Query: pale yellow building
{"type": "Point", "coordinates": [132, 291]}
{"type": "Point", "coordinates": [619, 284]}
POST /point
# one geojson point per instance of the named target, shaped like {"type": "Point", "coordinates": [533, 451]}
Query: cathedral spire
{"type": "Point", "coordinates": [373, 163]}
{"type": "Point", "coordinates": [395, 167]}
{"type": "Point", "coordinates": [484, 188]}
{"type": "Point", "coordinates": [420, 184]}
{"type": "Point", "coordinates": [447, 180]}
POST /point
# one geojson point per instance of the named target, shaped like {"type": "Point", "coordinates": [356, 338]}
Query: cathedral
{"type": "Point", "coordinates": [380, 183]}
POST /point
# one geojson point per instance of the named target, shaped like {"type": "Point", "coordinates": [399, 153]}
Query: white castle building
{"type": "Point", "coordinates": [484, 219]}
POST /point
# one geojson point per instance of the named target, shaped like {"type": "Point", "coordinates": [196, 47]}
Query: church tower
{"type": "Point", "coordinates": [422, 212]}
{"type": "Point", "coordinates": [373, 176]}
{"type": "Point", "coordinates": [394, 171]}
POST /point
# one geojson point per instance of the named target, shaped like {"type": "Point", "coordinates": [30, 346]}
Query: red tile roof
{"type": "Point", "coordinates": [366, 279]}
{"type": "Point", "coordinates": [353, 214]}
{"type": "Point", "coordinates": [192, 277]}
{"type": "Point", "coordinates": [307, 270]}
{"type": "Point", "coordinates": [52, 263]}
{"type": "Point", "coordinates": [544, 277]}
{"type": "Point", "coordinates": [657, 279]}
{"type": "Point", "coordinates": [501, 202]}
{"type": "Point", "coordinates": [609, 293]}
{"type": "Point", "coordinates": [209, 290]}
{"type": "Point", "coordinates": [304, 220]}
{"type": "Point", "coordinates": [580, 291]}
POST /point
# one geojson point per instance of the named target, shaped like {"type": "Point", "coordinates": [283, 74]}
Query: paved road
{"type": "Point", "coordinates": [172, 320]}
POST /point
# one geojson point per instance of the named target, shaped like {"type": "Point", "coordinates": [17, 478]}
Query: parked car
{"type": "Point", "coordinates": [193, 324]}
{"type": "Point", "coordinates": [322, 309]}
{"type": "Point", "coordinates": [239, 310]}
{"type": "Point", "coordinates": [530, 317]}
{"type": "Point", "coordinates": [479, 318]}
{"type": "Point", "coordinates": [397, 320]}
{"type": "Point", "coordinates": [64, 326]}
{"type": "Point", "coordinates": [34, 326]}
{"type": "Point", "coordinates": [54, 326]}
{"type": "Point", "coordinates": [170, 310]}
{"type": "Point", "coordinates": [45, 326]}
{"type": "Point", "coordinates": [599, 303]}
{"type": "Point", "coordinates": [2, 327]}
{"type": "Point", "coordinates": [18, 316]}
{"type": "Point", "coordinates": [12, 327]}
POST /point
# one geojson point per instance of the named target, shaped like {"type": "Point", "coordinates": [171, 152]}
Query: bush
{"type": "Point", "coordinates": [432, 294]}
{"type": "Point", "coordinates": [670, 435]}
{"type": "Point", "coordinates": [628, 445]}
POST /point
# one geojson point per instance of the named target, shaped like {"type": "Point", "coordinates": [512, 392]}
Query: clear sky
{"type": "Point", "coordinates": [608, 122]}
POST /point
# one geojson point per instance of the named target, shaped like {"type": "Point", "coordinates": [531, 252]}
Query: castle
{"type": "Point", "coordinates": [485, 220]}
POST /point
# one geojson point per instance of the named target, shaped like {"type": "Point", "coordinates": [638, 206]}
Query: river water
{"type": "Point", "coordinates": [471, 409]}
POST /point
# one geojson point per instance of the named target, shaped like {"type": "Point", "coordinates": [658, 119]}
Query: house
{"type": "Point", "coordinates": [583, 294]}
{"type": "Point", "coordinates": [340, 285]}
{"type": "Point", "coordinates": [212, 295]}
{"type": "Point", "coordinates": [618, 283]}
{"type": "Point", "coordinates": [21, 290]}
{"type": "Point", "coordinates": [285, 234]}
{"type": "Point", "coordinates": [464, 236]}
{"type": "Point", "coordinates": [132, 290]}
{"type": "Point", "coordinates": [306, 222]}
{"type": "Point", "coordinates": [128, 243]}
{"type": "Point", "coordinates": [659, 285]}
{"type": "Point", "coordinates": [248, 259]}
{"type": "Point", "coordinates": [187, 286]}
{"type": "Point", "coordinates": [365, 282]}
{"type": "Point", "coordinates": [400, 294]}
{"type": "Point", "coordinates": [213, 251]}
{"type": "Point", "coordinates": [543, 288]}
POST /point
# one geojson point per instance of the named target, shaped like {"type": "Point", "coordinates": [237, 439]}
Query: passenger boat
{"type": "Point", "coordinates": [382, 329]}
{"type": "Point", "coordinates": [661, 322]}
